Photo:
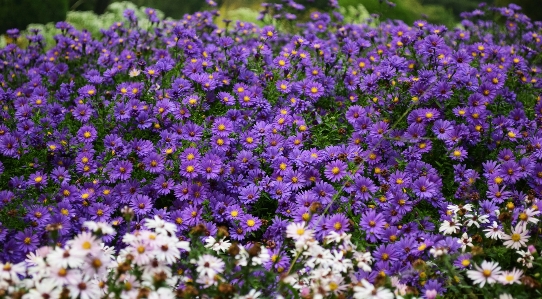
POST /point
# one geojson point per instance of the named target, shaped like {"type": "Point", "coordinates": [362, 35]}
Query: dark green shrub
{"type": "Point", "coordinates": [20, 13]}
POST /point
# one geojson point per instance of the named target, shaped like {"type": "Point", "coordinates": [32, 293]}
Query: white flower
{"type": "Point", "coordinates": [105, 228]}
{"type": "Point", "coordinates": [84, 289]}
{"type": "Point", "coordinates": [84, 244]}
{"type": "Point", "coordinates": [9, 271]}
{"type": "Point", "coordinates": [473, 219]}
{"type": "Point", "coordinates": [65, 257]}
{"type": "Point", "coordinates": [506, 296]}
{"type": "Point", "coordinates": [134, 72]}
{"type": "Point", "coordinates": [208, 265]}
{"type": "Point", "coordinates": [162, 293]}
{"type": "Point", "coordinates": [465, 241]}
{"type": "Point", "coordinates": [449, 227]}
{"type": "Point", "coordinates": [526, 258]}
{"type": "Point", "coordinates": [253, 294]}
{"type": "Point", "coordinates": [43, 289]}
{"type": "Point", "coordinates": [528, 215]}
{"type": "Point", "coordinates": [494, 231]}
{"type": "Point", "coordinates": [517, 239]}
{"type": "Point", "coordinates": [511, 277]}
{"type": "Point", "coordinates": [299, 232]}
{"type": "Point", "coordinates": [364, 260]}
{"type": "Point", "coordinates": [222, 245]}
{"type": "Point", "coordinates": [160, 226]}
{"type": "Point", "coordinates": [488, 272]}
{"type": "Point", "coordinates": [368, 291]}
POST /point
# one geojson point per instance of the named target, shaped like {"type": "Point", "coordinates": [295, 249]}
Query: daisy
{"type": "Point", "coordinates": [526, 258]}
{"type": "Point", "coordinates": [253, 294]}
{"type": "Point", "coordinates": [494, 231]}
{"type": "Point", "coordinates": [166, 250]}
{"type": "Point", "coordinates": [222, 245]}
{"type": "Point", "coordinates": [465, 241]}
{"type": "Point", "coordinates": [368, 291]}
{"type": "Point", "coordinates": [449, 227]}
{"type": "Point", "coordinates": [299, 232]}
{"type": "Point", "coordinates": [84, 243]}
{"type": "Point", "coordinates": [517, 239]}
{"type": "Point", "coordinates": [65, 257]}
{"type": "Point", "coordinates": [160, 226]}
{"type": "Point", "coordinates": [511, 277]}
{"type": "Point", "coordinates": [9, 271]}
{"type": "Point", "coordinates": [84, 289]}
{"type": "Point", "coordinates": [529, 215]}
{"type": "Point", "coordinates": [208, 265]}
{"type": "Point", "coordinates": [43, 289]}
{"type": "Point", "coordinates": [488, 272]}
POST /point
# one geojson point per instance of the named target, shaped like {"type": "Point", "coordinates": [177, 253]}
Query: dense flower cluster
{"type": "Point", "coordinates": [421, 142]}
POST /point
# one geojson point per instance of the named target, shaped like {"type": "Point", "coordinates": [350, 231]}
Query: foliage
{"type": "Point", "coordinates": [19, 13]}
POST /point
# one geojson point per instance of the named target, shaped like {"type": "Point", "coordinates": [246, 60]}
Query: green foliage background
{"type": "Point", "coordinates": [20, 13]}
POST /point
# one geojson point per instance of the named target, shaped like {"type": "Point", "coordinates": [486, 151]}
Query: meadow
{"type": "Point", "coordinates": [308, 156]}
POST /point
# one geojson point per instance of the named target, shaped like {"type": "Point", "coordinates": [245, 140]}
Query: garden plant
{"type": "Point", "coordinates": [311, 157]}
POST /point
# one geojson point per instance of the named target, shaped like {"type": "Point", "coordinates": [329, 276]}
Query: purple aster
{"type": "Point", "coordinates": [365, 188]}
{"type": "Point", "coordinates": [87, 134]}
{"type": "Point", "coordinates": [250, 223]}
{"type": "Point", "coordinates": [82, 112]}
{"type": "Point", "coordinates": [335, 170]}
{"type": "Point", "coordinates": [163, 186]}
{"type": "Point", "coordinates": [37, 179]}
{"type": "Point", "coordinates": [28, 241]}
{"type": "Point", "coordinates": [120, 170]}
{"type": "Point", "coordinates": [386, 253]}
{"type": "Point", "coordinates": [373, 225]}
{"type": "Point", "coordinates": [141, 204]}
{"type": "Point", "coordinates": [314, 90]}
{"type": "Point", "coordinates": [424, 188]}
{"type": "Point", "coordinates": [154, 163]}
{"type": "Point", "coordinates": [337, 223]}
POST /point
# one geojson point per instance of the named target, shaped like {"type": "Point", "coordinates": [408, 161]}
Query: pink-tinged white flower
{"type": "Point", "coordinates": [84, 244]}
{"type": "Point", "coordinates": [43, 289]}
{"type": "Point", "coordinates": [368, 291]}
{"type": "Point", "coordinates": [517, 238]}
{"type": "Point", "coordinates": [299, 232]}
{"type": "Point", "coordinates": [511, 277]}
{"type": "Point", "coordinates": [208, 265]}
{"type": "Point", "coordinates": [141, 252]}
{"type": "Point", "coordinates": [62, 276]}
{"type": "Point", "coordinates": [153, 268]}
{"type": "Point", "coordinates": [96, 266]}
{"type": "Point", "coordinates": [84, 289]}
{"type": "Point", "coordinates": [505, 296]}
{"type": "Point", "coordinates": [9, 271]}
{"type": "Point", "coordinates": [449, 227]}
{"type": "Point", "coordinates": [160, 226]}
{"type": "Point", "coordinates": [494, 231]}
{"type": "Point", "coordinates": [488, 273]}
{"type": "Point", "coordinates": [465, 241]}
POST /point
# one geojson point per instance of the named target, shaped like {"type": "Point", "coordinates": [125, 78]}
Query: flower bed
{"type": "Point", "coordinates": [325, 159]}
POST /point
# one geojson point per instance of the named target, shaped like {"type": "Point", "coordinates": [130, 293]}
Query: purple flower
{"type": "Point", "coordinates": [87, 134]}
{"type": "Point", "coordinates": [373, 225]}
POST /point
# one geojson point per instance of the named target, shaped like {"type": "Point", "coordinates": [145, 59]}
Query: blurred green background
{"type": "Point", "coordinates": [20, 13]}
